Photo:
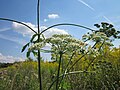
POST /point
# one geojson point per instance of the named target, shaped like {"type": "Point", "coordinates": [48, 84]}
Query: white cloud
{"type": "Point", "coordinates": [53, 16]}
{"type": "Point", "coordinates": [53, 31]}
{"type": "Point", "coordinates": [9, 59]}
{"type": "Point", "coordinates": [25, 31]}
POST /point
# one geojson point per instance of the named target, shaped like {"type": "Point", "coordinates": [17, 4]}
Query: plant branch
{"type": "Point", "coordinates": [66, 24]}
{"type": "Point", "coordinates": [81, 57]}
{"type": "Point", "coordinates": [94, 58]}
{"type": "Point", "coordinates": [6, 19]}
{"type": "Point", "coordinates": [67, 65]}
{"type": "Point", "coordinates": [57, 82]}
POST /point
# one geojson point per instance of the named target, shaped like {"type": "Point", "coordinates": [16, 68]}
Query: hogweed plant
{"type": "Point", "coordinates": [38, 40]}
{"type": "Point", "coordinates": [61, 44]}
{"type": "Point", "coordinates": [66, 45]}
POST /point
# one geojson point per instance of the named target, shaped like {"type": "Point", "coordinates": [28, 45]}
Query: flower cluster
{"type": "Point", "coordinates": [93, 51]}
{"type": "Point", "coordinates": [95, 36]}
{"type": "Point", "coordinates": [36, 46]}
{"type": "Point", "coordinates": [65, 42]}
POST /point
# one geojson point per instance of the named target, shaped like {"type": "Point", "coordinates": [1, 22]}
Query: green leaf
{"type": "Point", "coordinates": [33, 37]}
{"type": "Point", "coordinates": [35, 53]}
{"type": "Point", "coordinates": [46, 51]}
{"type": "Point", "coordinates": [28, 54]}
{"type": "Point", "coordinates": [24, 47]}
{"type": "Point", "coordinates": [43, 36]}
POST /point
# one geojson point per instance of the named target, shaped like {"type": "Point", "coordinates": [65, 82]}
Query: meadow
{"type": "Point", "coordinates": [102, 74]}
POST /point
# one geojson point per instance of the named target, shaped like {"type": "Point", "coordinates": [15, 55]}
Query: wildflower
{"type": "Point", "coordinates": [65, 42]}
{"type": "Point", "coordinates": [36, 46]}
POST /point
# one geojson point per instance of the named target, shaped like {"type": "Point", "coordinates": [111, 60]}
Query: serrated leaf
{"type": "Point", "coordinates": [24, 47]}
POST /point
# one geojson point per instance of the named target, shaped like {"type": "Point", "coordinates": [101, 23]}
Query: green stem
{"type": "Point", "coordinates": [57, 82]}
{"type": "Point", "coordinates": [67, 66]}
{"type": "Point", "coordinates": [39, 55]}
{"type": "Point", "coordinates": [67, 24]}
{"type": "Point", "coordinates": [101, 45]}
{"type": "Point", "coordinates": [39, 70]}
{"type": "Point", "coordinates": [81, 57]}
{"type": "Point", "coordinates": [95, 58]}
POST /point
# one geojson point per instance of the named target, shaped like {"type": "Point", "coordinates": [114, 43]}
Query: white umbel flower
{"type": "Point", "coordinates": [36, 46]}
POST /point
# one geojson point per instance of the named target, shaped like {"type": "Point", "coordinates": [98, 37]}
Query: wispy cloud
{"type": "Point", "coordinates": [4, 29]}
{"type": "Point", "coordinates": [13, 39]}
{"type": "Point", "coordinates": [90, 7]}
{"type": "Point", "coordinates": [108, 19]}
{"type": "Point", "coordinates": [93, 9]}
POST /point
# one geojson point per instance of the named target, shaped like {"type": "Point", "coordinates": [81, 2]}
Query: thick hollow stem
{"type": "Point", "coordinates": [39, 70]}
{"type": "Point", "coordinates": [39, 56]}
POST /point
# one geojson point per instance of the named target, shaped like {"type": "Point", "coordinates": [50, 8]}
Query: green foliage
{"type": "Point", "coordinates": [24, 47]}
{"type": "Point", "coordinates": [23, 76]}
{"type": "Point", "coordinates": [106, 75]}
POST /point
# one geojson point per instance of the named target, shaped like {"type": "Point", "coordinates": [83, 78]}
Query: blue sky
{"type": "Point", "coordinates": [85, 12]}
